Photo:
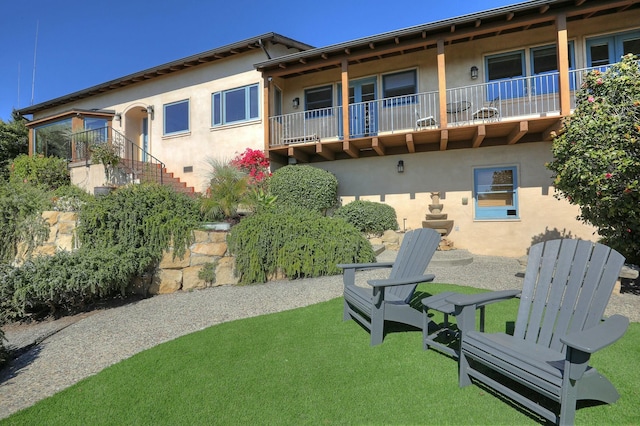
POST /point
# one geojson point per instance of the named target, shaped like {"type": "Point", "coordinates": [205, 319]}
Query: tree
{"type": "Point", "coordinates": [597, 155]}
{"type": "Point", "coordinates": [14, 137]}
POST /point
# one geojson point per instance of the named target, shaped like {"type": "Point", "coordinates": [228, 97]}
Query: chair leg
{"type": "Point", "coordinates": [568, 401]}
{"type": "Point", "coordinates": [377, 319]}
{"type": "Point", "coordinates": [346, 316]}
{"type": "Point", "coordinates": [463, 366]}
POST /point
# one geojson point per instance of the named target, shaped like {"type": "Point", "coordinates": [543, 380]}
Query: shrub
{"type": "Point", "coordinates": [228, 188]}
{"type": "Point", "coordinates": [596, 156]}
{"type": "Point", "coordinates": [304, 186]}
{"type": "Point", "coordinates": [21, 205]}
{"type": "Point", "coordinates": [49, 172]}
{"type": "Point", "coordinates": [208, 272]}
{"type": "Point", "coordinates": [145, 219]}
{"type": "Point", "coordinates": [295, 242]}
{"type": "Point", "coordinates": [368, 216]}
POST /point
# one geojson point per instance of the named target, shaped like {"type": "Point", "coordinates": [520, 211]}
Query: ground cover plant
{"type": "Point", "coordinates": [307, 366]}
{"type": "Point", "coordinates": [295, 243]}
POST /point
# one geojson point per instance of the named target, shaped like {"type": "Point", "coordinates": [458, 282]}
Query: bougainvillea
{"type": "Point", "coordinates": [597, 155]}
{"type": "Point", "coordinates": [254, 163]}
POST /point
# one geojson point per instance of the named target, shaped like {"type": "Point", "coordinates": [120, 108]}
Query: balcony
{"type": "Point", "coordinates": [503, 112]}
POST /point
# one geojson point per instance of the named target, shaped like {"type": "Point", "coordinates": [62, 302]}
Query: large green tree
{"type": "Point", "coordinates": [14, 138]}
{"type": "Point", "coordinates": [597, 155]}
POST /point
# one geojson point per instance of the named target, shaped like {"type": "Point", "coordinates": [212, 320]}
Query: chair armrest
{"type": "Point", "coordinates": [358, 266]}
{"type": "Point", "coordinates": [598, 337]}
{"type": "Point", "coordinates": [402, 281]}
{"type": "Point", "coordinates": [482, 298]}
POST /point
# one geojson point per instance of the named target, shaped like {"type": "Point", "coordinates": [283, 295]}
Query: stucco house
{"type": "Point", "coordinates": [465, 107]}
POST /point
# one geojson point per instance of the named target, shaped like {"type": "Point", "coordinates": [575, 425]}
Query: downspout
{"type": "Point", "coordinates": [264, 48]}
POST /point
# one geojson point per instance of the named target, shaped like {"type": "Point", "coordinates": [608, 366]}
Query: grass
{"type": "Point", "coordinates": [307, 366]}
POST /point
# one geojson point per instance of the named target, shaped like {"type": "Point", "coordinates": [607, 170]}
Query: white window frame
{"type": "Point", "coordinates": [495, 212]}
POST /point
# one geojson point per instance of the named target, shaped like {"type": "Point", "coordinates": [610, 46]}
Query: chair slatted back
{"type": "Point", "coordinates": [566, 288]}
{"type": "Point", "coordinates": [416, 251]}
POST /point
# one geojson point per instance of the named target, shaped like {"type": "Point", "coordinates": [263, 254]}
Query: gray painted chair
{"type": "Point", "coordinates": [566, 289]}
{"type": "Point", "coordinates": [389, 299]}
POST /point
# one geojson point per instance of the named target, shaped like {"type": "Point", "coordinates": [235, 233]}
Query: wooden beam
{"type": "Point", "coordinates": [347, 51]}
{"type": "Point", "coordinates": [344, 78]}
{"type": "Point", "coordinates": [564, 89]}
{"type": "Point", "coordinates": [410, 145]}
{"type": "Point", "coordinates": [298, 155]}
{"type": "Point", "coordinates": [372, 45]}
{"type": "Point", "coordinates": [510, 16]}
{"type": "Point", "coordinates": [518, 132]}
{"type": "Point", "coordinates": [552, 131]}
{"type": "Point", "coordinates": [444, 139]}
{"type": "Point", "coordinates": [378, 147]}
{"type": "Point", "coordinates": [543, 9]}
{"type": "Point", "coordinates": [442, 84]}
{"type": "Point", "coordinates": [350, 149]}
{"type": "Point", "coordinates": [478, 137]}
{"type": "Point", "coordinates": [324, 152]}
{"type": "Point", "coordinates": [478, 22]}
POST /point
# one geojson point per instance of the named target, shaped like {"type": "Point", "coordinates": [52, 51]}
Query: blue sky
{"type": "Point", "coordinates": [81, 44]}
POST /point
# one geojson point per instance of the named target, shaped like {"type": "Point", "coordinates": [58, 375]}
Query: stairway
{"type": "Point", "coordinates": [153, 172]}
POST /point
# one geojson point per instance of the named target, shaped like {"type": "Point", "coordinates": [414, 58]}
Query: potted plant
{"type": "Point", "coordinates": [107, 155]}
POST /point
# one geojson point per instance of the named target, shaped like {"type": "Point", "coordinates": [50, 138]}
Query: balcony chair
{"type": "Point", "coordinates": [390, 299]}
{"type": "Point", "coordinates": [566, 289]}
{"type": "Point", "coordinates": [426, 122]}
{"type": "Point", "coordinates": [488, 112]}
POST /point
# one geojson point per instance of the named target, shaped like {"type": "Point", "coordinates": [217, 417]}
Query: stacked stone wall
{"type": "Point", "coordinates": [173, 273]}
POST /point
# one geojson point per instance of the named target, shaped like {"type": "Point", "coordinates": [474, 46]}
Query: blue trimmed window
{"type": "Point", "coordinates": [495, 193]}
{"type": "Point", "coordinates": [235, 105]}
{"type": "Point", "coordinates": [176, 117]}
{"type": "Point", "coordinates": [318, 101]}
{"type": "Point", "coordinates": [399, 86]}
{"type": "Point", "coordinates": [602, 51]}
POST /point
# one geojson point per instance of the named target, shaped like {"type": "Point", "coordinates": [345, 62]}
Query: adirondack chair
{"type": "Point", "coordinates": [566, 288]}
{"type": "Point", "coordinates": [389, 299]}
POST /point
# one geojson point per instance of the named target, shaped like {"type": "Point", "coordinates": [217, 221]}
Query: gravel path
{"type": "Point", "coordinates": [70, 349]}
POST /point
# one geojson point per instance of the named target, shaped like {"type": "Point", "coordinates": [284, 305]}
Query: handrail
{"type": "Point", "coordinates": [133, 159]}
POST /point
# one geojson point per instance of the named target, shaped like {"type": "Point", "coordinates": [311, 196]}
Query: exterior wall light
{"type": "Point", "coordinates": [118, 117]}
{"type": "Point", "coordinates": [400, 166]}
{"type": "Point", "coordinates": [296, 102]}
{"type": "Point", "coordinates": [474, 72]}
{"type": "Point", "coordinates": [150, 111]}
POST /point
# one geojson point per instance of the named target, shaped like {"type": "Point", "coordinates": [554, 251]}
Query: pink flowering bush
{"type": "Point", "coordinates": [597, 155]}
{"type": "Point", "coordinates": [254, 163]}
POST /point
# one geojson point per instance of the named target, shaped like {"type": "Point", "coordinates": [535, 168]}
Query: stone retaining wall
{"type": "Point", "coordinates": [171, 275]}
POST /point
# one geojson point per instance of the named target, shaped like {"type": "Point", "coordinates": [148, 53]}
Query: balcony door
{"type": "Point", "coordinates": [603, 51]}
{"type": "Point", "coordinates": [363, 117]}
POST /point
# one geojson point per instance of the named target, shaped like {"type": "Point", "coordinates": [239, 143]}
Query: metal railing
{"type": "Point", "coordinates": [134, 160]}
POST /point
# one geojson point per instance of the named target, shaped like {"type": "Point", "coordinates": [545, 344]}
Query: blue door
{"type": "Point", "coordinates": [144, 138]}
{"type": "Point", "coordinates": [363, 116]}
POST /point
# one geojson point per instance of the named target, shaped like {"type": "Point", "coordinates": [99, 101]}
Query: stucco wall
{"type": "Point", "coordinates": [451, 172]}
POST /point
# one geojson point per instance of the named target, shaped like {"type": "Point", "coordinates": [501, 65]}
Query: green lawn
{"type": "Point", "coordinates": [307, 366]}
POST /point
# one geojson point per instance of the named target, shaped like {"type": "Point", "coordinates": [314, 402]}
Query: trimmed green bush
{"type": "Point", "coordinates": [368, 216]}
{"type": "Point", "coordinates": [304, 186]}
{"type": "Point", "coordinates": [49, 172]}
{"type": "Point", "coordinates": [295, 242]}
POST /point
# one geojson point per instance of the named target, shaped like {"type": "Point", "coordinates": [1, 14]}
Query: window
{"type": "Point", "coordinates": [53, 139]}
{"type": "Point", "coordinates": [235, 105]}
{"type": "Point", "coordinates": [318, 98]}
{"type": "Point", "coordinates": [398, 85]}
{"type": "Point", "coordinates": [495, 193]}
{"type": "Point", "coordinates": [544, 66]}
{"type": "Point", "coordinates": [503, 68]}
{"type": "Point", "coordinates": [602, 51]}
{"type": "Point", "coordinates": [176, 117]}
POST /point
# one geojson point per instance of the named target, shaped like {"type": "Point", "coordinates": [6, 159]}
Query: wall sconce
{"type": "Point", "coordinates": [400, 166]}
{"type": "Point", "coordinates": [296, 102]}
{"type": "Point", "coordinates": [150, 111]}
{"type": "Point", "coordinates": [474, 72]}
{"type": "Point", "coordinates": [118, 117]}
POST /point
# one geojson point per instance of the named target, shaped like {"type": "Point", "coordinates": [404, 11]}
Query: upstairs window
{"type": "Point", "coordinates": [235, 105]}
{"type": "Point", "coordinates": [318, 98]}
{"type": "Point", "coordinates": [602, 51]}
{"type": "Point", "coordinates": [399, 85]}
{"type": "Point", "coordinates": [176, 117]}
{"type": "Point", "coordinates": [496, 193]}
